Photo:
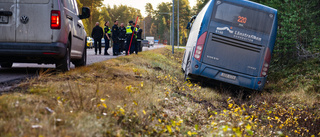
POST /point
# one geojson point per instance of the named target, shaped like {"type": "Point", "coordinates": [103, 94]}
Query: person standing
{"type": "Point", "coordinates": [134, 41]}
{"type": "Point", "coordinates": [97, 34]}
{"type": "Point", "coordinates": [129, 31]}
{"type": "Point", "coordinates": [139, 38]}
{"type": "Point", "coordinates": [122, 36]}
{"type": "Point", "coordinates": [115, 38]}
{"type": "Point", "coordinates": [107, 35]}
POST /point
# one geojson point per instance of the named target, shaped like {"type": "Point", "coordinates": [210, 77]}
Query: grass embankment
{"type": "Point", "coordinates": [145, 94]}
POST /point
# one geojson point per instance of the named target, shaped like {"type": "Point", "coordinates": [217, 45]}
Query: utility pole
{"type": "Point", "coordinates": [178, 10]}
{"type": "Point", "coordinates": [172, 27]}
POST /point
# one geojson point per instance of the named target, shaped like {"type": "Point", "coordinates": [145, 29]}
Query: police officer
{"type": "Point", "coordinates": [134, 45]}
{"type": "Point", "coordinates": [139, 38]}
{"type": "Point", "coordinates": [107, 35]}
{"type": "Point", "coordinates": [115, 38]}
{"type": "Point", "coordinates": [129, 31]}
{"type": "Point", "coordinates": [122, 36]}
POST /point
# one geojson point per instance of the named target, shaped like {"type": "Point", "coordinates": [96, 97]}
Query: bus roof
{"type": "Point", "coordinates": [253, 5]}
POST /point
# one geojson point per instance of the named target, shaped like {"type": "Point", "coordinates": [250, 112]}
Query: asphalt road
{"type": "Point", "coordinates": [21, 71]}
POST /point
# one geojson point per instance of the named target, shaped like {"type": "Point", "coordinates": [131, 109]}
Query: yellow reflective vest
{"type": "Point", "coordinates": [109, 30]}
{"type": "Point", "coordinates": [136, 35]}
{"type": "Point", "coordinates": [128, 30]}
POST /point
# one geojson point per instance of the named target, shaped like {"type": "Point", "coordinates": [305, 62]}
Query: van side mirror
{"type": "Point", "coordinates": [85, 13]}
{"type": "Point", "coordinates": [189, 25]}
{"type": "Point", "coordinates": [191, 20]}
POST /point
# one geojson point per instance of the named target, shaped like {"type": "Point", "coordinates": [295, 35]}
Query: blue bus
{"type": "Point", "coordinates": [231, 41]}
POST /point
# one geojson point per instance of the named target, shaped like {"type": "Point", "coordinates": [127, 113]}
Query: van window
{"type": "Point", "coordinates": [244, 17]}
{"type": "Point", "coordinates": [33, 1]}
{"type": "Point", "coordinates": [70, 5]}
{"type": "Point", "coordinates": [76, 11]}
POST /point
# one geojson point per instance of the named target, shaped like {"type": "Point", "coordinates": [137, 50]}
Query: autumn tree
{"type": "Point", "coordinates": [298, 29]}
{"type": "Point", "coordinates": [199, 5]}
{"type": "Point", "coordinates": [94, 6]}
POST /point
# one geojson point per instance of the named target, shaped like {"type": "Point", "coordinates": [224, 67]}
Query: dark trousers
{"type": "Point", "coordinates": [128, 43]}
{"type": "Point", "coordinates": [115, 47]}
{"type": "Point", "coordinates": [139, 45]}
{"type": "Point", "coordinates": [121, 46]}
{"type": "Point", "coordinates": [133, 46]}
{"type": "Point", "coordinates": [106, 44]}
{"type": "Point", "coordinates": [136, 46]}
{"type": "Point", "coordinates": [97, 44]}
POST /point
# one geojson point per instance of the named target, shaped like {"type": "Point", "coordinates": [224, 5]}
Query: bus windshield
{"type": "Point", "coordinates": [243, 17]}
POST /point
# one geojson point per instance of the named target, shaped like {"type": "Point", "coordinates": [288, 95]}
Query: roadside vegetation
{"type": "Point", "coordinates": [146, 94]}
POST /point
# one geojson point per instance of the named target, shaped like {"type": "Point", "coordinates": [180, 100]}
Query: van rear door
{"type": "Point", "coordinates": [7, 20]}
{"type": "Point", "coordinates": [33, 21]}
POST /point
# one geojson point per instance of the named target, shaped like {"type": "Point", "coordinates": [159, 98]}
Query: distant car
{"type": "Point", "coordinates": [42, 31]}
{"type": "Point", "coordinates": [103, 42]}
{"type": "Point", "coordinates": [145, 43]}
{"type": "Point", "coordinates": [89, 42]}
{"type": "Point", "coordinates": [156, 41]}
{"type": "Point", "coordinates": [151, 40]}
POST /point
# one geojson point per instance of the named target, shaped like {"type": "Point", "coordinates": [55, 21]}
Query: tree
{"type": "Point", "coordinates": [149, 9]}
{"type": "Point", "coordinates": [122, 13]}
{"type": "Point", "coordinates": [298, 29]}
{"type": "Point", "coordinates": [94, 6]}
{"type": "Point", "coordinates": [200, 4]}
{"type": "Point", "coordinates": [160, 20]}
{"type": "Point", "coordinates": [184, 17]}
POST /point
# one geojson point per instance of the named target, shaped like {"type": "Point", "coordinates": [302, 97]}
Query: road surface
{"type": "Point", "coordinates": [21, 71]}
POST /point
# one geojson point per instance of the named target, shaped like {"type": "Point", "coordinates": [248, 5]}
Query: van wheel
{"type": "Point", "coordinates": [83, 60]}
{"type": "Point", "coordinates": [64, 64]}
{"type": "Point", "coordinates": [6, 65]}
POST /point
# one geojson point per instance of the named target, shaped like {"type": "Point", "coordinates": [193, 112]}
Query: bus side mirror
{"type": "Point", "coordinates": [189, 25]}
{"type": "Point", "coordinates": [85, 13]}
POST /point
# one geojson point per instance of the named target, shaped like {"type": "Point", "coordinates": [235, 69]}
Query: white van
{"type": "Point", "coordinates": [42, 31]}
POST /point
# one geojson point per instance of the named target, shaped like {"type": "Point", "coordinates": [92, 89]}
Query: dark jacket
{"type": "Point", "coordinates": [115, 33]}
{"type": "Point", "coordinates": [97, 32]}
{"type": "Point", "coordinates": [122, 32]}
{"type": "Point", "coordinates": [139, 33]}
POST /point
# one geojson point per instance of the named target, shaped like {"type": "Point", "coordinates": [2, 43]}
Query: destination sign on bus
{"type": "Point", "coordinates": [244, 17]}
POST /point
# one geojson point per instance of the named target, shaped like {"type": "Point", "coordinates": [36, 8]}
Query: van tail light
{"type": "Point", "coordinates": [55, 19]}
{"type": "Point", "coordinates": [199, 47]}
{"type": "Point", "coordinates": [266, 63]}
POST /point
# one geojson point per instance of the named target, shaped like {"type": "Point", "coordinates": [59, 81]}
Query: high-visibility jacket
{"type": "Point", "coordinates": [136, 36]}
{"type": "Point", "coordinates": [128, 30]}
{"type": "Point", "coordinates": [108, 30]}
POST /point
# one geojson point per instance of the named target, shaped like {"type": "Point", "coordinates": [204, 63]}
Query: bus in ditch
{"type": "Point", "coordinates": [231, 41]}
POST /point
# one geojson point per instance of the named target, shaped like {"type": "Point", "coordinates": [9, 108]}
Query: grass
{"type": "Point", "coordinates": [145, 95]}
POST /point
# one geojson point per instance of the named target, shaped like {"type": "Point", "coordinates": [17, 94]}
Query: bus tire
{"type": "Point", "coordinates": [187, 70]}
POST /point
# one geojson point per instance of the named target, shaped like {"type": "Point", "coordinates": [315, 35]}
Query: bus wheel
{"type": "Point", "coordinates": [186, 73]}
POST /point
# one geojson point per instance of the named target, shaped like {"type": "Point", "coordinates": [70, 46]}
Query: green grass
{"type": "Point", "coordinates": [145, 95]}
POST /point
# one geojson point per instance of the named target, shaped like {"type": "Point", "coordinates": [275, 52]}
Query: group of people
{"type": "Point", "coordinates": [122, 38]}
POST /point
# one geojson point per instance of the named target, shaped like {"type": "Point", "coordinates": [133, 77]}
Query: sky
{"type": "Point", "coordinates": [139, 4]}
